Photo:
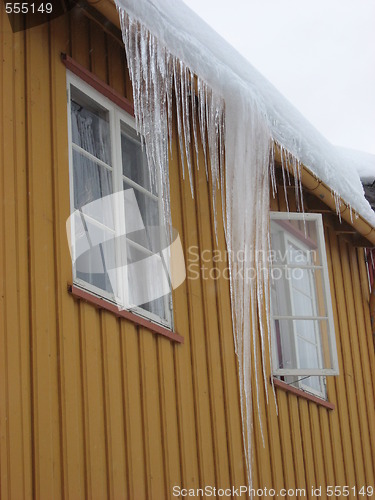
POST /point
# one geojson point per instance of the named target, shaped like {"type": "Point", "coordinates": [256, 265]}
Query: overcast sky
{"type": "Point", "coordinates": [319, 53]}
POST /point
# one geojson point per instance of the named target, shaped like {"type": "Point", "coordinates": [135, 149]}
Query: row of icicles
{"type": "Point", "coordinates": [239, 156]}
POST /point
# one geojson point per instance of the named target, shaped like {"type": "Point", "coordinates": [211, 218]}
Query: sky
{"type": "Point", "coordinates": [320, 54]}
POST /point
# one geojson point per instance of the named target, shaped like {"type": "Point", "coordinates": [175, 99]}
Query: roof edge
{"type": "Point", "coordinates": [309, 180]}
{"type": "Point", "coordinates": [319, 189]}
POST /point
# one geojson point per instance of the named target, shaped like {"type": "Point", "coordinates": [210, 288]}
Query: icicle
{"type": "Point", "coordinates": [300, 187]}
{"type": "Point", "coordinates": [169, 90]}
{"type": "Point", "coordinates": [177, 89]}
{"type": "Point", "coordinates": [284, 167]}
{"type": "Point", "coordinates": [183, 79]}
{"type": "Point", "coordinates": [351, 213]}
{"type": "Point", "coordinates": [337, 200]}
{"type": "Point", "coordinates": [273, 173]}
{"type": "Point", "coordinates": [238, 156]}
{"type": "Point", "coordinates": [202, 119]}
{"type": "Point", "coordinates": [232, 124]}
{"type": "Point", "coordinates": [194, 117]}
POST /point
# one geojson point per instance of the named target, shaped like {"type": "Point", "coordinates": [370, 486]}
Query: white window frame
{"type": "Point", "coordinates": [116, 115]}
{"type": "Point", "coordinates": [303, 382]}
{"type": "Point", "coordinates": [299, 372]}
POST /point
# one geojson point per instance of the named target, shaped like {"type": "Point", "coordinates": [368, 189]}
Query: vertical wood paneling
{"type": "Point", "coordinates": [357, 367]}
{"type": "Point", "coordinates": [237, 471]}
{"type": "Point", "coordinates": [80, 37]}
{"type": "Point", "coordinates": [307, 443]}
{"type": "Point", "coordinates": [365, 357]}
{"type": "Point", "coordinates": [95, 407]}
{"type": "Point", "coordinates": [350, 386]}
{"type": "Point", "coordinates": [327, 451]}
{"type": "Point", "coordinates": [67, 318]}
{"type": "Point", "coordinates": [45, 385]}
{"type": "Point", "coordinates": [334, 428]}
{"type": "Point", "coordinates": [116, 65]}
{"type": "Point", "coordinates": [115, 428]}
{"type": "Point", "coordinates": [135, 447]}
{"type": "Point", "coordinates": [370, 338]}
{"type": "Point", "coordinates": [261, 440]}
{"type": "Point", "coordinates": [92, 390]}
{"type": "Point", "coordinates": [204, 436]}
{"type": "Point", "coordinates": [300, 461]}
{"type": "Point", "coordinates": [21, 306]}
{"type": "Point", "coordinates": [339, 320]}
{"type": "Point", "coordinates": [168, 414]}
{"type": "Point", "coordinates": [211, 330]}
{"type": "Point", "coordinates": [182, 354]}
{"type": "Point", "coordinates": [98, 52]}
{"type": "Point", "coordinates": [286, 440]}
{"type": "Point", "coordinates": [315, 430]}
{"type": "Point", "coordinates": [152, 430]}
{"type": "Point", "coordinates": [4, 410]}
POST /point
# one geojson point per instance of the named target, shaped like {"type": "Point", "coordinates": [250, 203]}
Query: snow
{"type": "Point", "coordinates": [240, 115]}
{"type": "Point", "coordinates": [364, 163]}
{"type": "Point", "coordinates": [192, 41]}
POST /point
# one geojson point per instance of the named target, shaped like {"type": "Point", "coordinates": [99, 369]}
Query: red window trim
{"type": "Point", "coordinates": [100, 303]}
{"type": "Point", "coordinates": [302, 394]}
{"type": "Point", "coordinates": [97, 84]}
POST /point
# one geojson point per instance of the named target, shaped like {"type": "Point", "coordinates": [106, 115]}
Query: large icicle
{"type": "Point", "coordinates": [172, 56]}
{"type": "Point", "coordinates": [234, 123]}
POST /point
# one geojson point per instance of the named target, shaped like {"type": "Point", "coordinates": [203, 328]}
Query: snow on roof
{"type": "Point", "coordinates": [363, 162]}
{"type": "Point", "coordinates": [206, 53]}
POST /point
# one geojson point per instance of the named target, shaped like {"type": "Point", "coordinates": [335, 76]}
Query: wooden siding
{"type": "Point", "coordinates": [92, 406]}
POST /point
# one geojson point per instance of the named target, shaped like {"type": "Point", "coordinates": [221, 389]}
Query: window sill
{"type": "Point", "coordinates": [100, 303]}
{"type": "Point", "coordinates": [279, 384]}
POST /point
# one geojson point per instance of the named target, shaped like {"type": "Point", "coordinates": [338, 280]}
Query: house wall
{"type": "Point", "coordinates": [95, 407]}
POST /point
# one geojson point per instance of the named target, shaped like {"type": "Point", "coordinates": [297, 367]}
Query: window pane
{"type": "Point", "coordinates": [302, 304]}
{"type": "Point", "coordinates": [134, 162]}
{"type": "Point", "coordinates": [298, 292]}
{"type": "Point", "coordinates": [148, 281]}
{"type": "Point", "coordinates": [295, 242]}
{"type": "Point", "coordinates": [301, 344]}
{"type": "Point", "coordinates": [93, 264]}
{"type": "Point", "coordinates": [102, 210]}
{"type": "Point", "coordinates": [158, 306]}
{"type": "Point", "coordinates": [296, 255]}
{"type": "Point", "coordinates": [141, 207]}
{"type": "Point", "coordinates": [308, 354]}
{"type": "Point", "coordinates": [305, 329]}
{"type": "Point", "coordinates": [314, 384]}
{"type": "Point", "coordinates": [90, 126]}
{"type": "Point", "coordinates": [303, 280]}
{"type": "Point", "coordinates": [91, 181]}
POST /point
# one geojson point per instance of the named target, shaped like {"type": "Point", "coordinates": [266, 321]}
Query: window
{"type": "Point", "coordinates": [303, 338]}
{"type": "Point", "coordinates": [118, 244]}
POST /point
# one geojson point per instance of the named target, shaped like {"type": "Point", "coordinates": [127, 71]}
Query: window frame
{"type": "Point", "coordinates": [290, 236]}
{"type": "Point", "coordinates": [116, 115]}
{"type": "Point", "coordinates": [298, 372]}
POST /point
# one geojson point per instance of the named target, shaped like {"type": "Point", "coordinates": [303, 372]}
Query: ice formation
{"type": "Point", "coordinates": [239, 116]}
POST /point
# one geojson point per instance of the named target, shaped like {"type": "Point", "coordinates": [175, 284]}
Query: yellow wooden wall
{"type": "Point", "coordinates": [94, 407]}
